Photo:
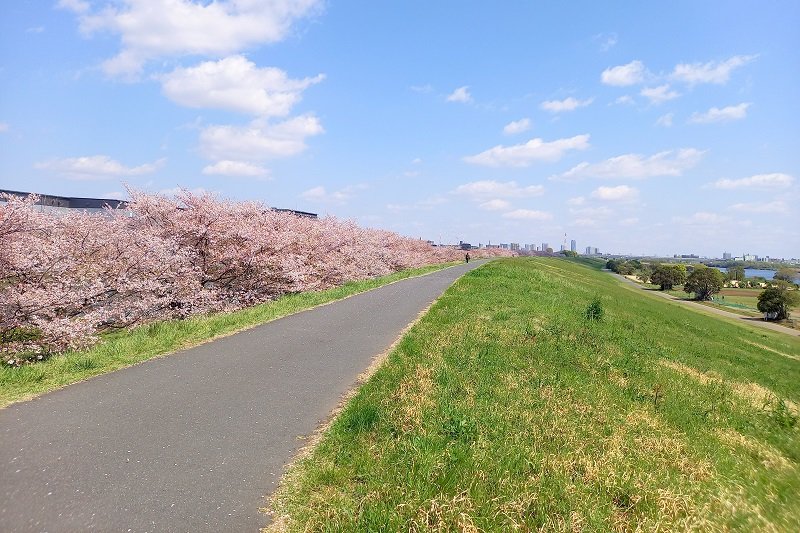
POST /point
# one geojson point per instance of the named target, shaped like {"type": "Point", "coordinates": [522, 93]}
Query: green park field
{"type": "Point", "coordinates": [506, 409]}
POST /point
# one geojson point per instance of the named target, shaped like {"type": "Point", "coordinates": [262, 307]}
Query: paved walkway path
{"type": "Point", "coordinates": [194, 441]}
{"type": "Point", "coordinates": [714, 311]}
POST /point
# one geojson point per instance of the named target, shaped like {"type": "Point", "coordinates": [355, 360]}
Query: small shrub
{"type": "Point", "coordinates": [594, 311]}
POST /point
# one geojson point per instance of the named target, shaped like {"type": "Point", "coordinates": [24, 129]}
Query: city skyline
{"type": "Point", "coordinates": [576, 119]}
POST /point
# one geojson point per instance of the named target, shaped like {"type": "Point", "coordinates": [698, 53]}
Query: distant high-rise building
{"type": "Point", "coordinates": [588, 250]}
{"type": "Point", "coordinates": [563, 247]}
{"type": "Point", "coordinates": [544, 246]}
{"type": "Point", "coordinates": [515, 246]}
{"type": "Point", "coordinates": [573, 245]}
{"type": "Point", "coordinates": [596, 251]}
{"type": "Point", "coordinates": [726, 255]}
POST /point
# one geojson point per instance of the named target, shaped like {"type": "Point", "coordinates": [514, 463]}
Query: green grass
{"type": "Point", "coordinates": [505, 409]}
{"type": "Point", "coordinates": [124, 348]}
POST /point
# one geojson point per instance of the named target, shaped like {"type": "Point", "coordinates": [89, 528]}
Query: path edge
{"type": "Point", "coordinates": [280, 522]}
{"type": "Point", "coordinates": [35, 396]}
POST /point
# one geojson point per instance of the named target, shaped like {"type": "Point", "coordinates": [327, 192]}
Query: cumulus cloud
{"type": "Point", "coordinates": [527, 214]}
{"type": "Point", "coordinates": [321, 195]}
{"type": "Point", "coordinates": [495, 205]}
{"type": "Point", "coordinates": [759, 181]}
{"type": "Point", "coordinates": [235, 84]}
{"type": "Point", "coordinates": [487, 189]}
{"type": "Point", "coordinates": [577, 200]}
{"type": "Point", "coordinates": [152, 29]}
{"type": "Point", "coordinates": [77, 6]}
{"type": "Point", "coordinates": [517, 126]}
{"type": "Point", "coordinates": [522, 155]}
{"type": "Point", "coordinates": [726, 114]}
{"type": "Point", "coordinates": [778, 206]}
{"type": "Point", "coordinates": [567, 104]}
{"type": "Point", "coordinates": [660, 94]}
{"type": "Point", "coordinates": [236, 168]}
{"type": "Point", "coordinates": [460, 95]}
{"type": "Point", "coordinates": [636, 166]}
{"type": "Point", "coordinates": [621, 193]}
{"type": "Point", "coordinates": [665, 120]}
{"type": "Point", "coordinates": [96, 167]}
{"type": "Point", "coordinates": [711, 72]}
{"type": "Point", "coordinates": [259, 140]}
{"type": "Point", "coordinates": [624, 75]}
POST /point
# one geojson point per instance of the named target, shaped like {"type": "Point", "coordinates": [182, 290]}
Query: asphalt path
{"type": "Point", "coordinates": [713, 310]}
{"type": "Point", "coordinates": [194, 441]}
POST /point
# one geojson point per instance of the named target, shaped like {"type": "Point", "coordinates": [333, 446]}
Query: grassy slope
{"type": "Point", "coordinates": [503, 408]}
{"type": "Point", "coordinates": [126, 348]}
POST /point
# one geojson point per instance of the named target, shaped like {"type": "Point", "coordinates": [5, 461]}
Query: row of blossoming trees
{"type": "Point", "coordinates": [65, 278]}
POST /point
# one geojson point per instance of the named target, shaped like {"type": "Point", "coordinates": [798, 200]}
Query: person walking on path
{"type": "Point", "coordinates": [466, 257]}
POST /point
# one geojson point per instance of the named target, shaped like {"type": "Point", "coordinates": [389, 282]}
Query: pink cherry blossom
{"type": "Point", "coordinates": [64, 278]}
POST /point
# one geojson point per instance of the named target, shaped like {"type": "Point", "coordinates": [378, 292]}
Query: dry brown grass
{"type": "Point", "coordinates": [757, 395]}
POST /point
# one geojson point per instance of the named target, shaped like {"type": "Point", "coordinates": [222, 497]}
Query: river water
{"type": "Point", "coordinates": [758, 273]}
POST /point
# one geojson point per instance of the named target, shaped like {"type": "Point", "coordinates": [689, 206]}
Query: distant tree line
{"type": "Point", "coordinates": [779, 296]}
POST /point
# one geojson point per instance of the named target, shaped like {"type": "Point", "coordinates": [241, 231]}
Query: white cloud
{"type": "Point", "coordinates": [629, 221]}
{"type": "Point", "coordinates": [416, 161]}
{"type": "Point", "coordinates": [660, 94]}
{"type": "Point", "coordinates": [77, 6]}
{"type": "Point", "coordinates": [259, 140]}
{"type": "Point", "coordinates": [567, 104]}
{"type": "Point", "coordinates": [460, 95]}
{"type": "Point", "coordinates": [517, 126]}
{"type": "Point", "coordinates": [621, 193]}
{"type": "Point", "coordinates": [577, 200]}
{"type": "Point", "coordinates": [527, 214]}
{"type": "Point", "coordinates": [236, 84]}
{"type": "Point", "coordinates": [624, 75]}
{"type": "Point", "coordinates": [96, 167]}
{"type": "Point", "coordinates": [422, 88]}
{"type": "Point", "coordinates": [624, 100]}
{"type": "Point", "coordinates": [4, 127]}
{"type": "Point", "coordinates": [665, 120]}
{"type": "Point", "coordinates": [236, 168]}
{"type": "Point", "coordinates": [152, 29]}
{"type": "Point", "coordinates": [711, 72]}
{"type": "Point", "coordinates": [636, 166]}
{"type": "Point", "coordinates": [726, 114]}
{"type": "Point", "coordinates": [522, 155]}
{"type": "Point", "coordinates": [607, 41]}
{"type": "Point", "coordinates": [759, 181]}
{"type": "Point", "coordinates": [495, 205]}
{"type": "Point", "coordinates": [321, 195]}
{"type": "Point", "coordinates": [488, 189]}
{"type": "Point", "coordinates": [701, 218]}
{"type": "Point", "coordinates": [778, 206]}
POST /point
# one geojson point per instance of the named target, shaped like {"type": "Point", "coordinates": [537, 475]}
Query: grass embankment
{"type": "Point", "coordinates": [124, 348]}
{"type": "Point", "coordinates": [505, 409]}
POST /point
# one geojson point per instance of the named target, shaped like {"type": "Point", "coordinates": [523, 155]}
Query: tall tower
{"type": "Point", "coordinates": [573, 245]}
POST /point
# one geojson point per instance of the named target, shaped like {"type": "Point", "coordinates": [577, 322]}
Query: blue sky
{"type": "Point", "coordinates": [640, 128]}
